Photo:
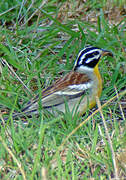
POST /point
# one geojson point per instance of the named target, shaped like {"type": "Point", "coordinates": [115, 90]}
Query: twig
{"type": "Point", "coordinates": [14, 158]}
{"type": "Point", "coordinates": [8, 10]}
{"type": "Point", "coordinates": [43, 3]}
{"type": "Point", "coordinates": [44, 173]}
{"type": "Point", "coordinates": [1, 118]}
{"type": "Point", "coordinates": [119, 103]}
{"type": "Point", "coordinates": [26, 11]}
{"type": "Point", "coordinates": [108, 137]}
{"type": "Point", "coordinates": [89, 117]}
{"type": "Point", "coordinates": [3, 60]}
{"type": "Point", "coordinates": [22, 53]}
{"type": "Point", "coordinates": [22, 4]}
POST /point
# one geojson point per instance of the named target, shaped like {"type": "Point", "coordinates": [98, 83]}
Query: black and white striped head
{"type": "Point", "coordinates": [89, 57]}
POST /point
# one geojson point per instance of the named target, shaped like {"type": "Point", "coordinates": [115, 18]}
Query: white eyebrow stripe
{"type": "Point", "coordinates": [81, 86]}
{"type": "Point", "coordinates": [91, 59]}
{"type": "Point", "coordinates": [89, 52]}
{"type": "Point", "coordinates": [93, 50]}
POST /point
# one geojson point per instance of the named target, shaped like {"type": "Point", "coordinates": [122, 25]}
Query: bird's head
{"type": "Point", "coordinates": [88, 58]}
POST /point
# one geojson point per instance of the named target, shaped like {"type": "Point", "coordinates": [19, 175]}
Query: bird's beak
{"type": "Point", "coordinates": [106, 53]}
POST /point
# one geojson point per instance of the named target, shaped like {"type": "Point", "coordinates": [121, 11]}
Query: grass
{"type": "Point", "coordinates": [38, 46]}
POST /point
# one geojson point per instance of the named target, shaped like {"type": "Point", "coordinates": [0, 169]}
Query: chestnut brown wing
{"type": "Point", "coordinates": [71, 86]}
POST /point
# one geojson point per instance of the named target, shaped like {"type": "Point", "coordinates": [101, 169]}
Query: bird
{"type": "Point", "coordinates": [78, 88]}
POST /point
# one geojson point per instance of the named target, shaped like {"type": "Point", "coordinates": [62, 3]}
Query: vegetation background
{"type": "Point", "coordinates": [39, 41]}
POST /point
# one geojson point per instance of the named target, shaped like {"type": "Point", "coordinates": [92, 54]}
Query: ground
{"type": "Point", "coordinates": [39, 42]}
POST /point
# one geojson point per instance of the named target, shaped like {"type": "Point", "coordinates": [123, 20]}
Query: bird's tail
{"type": "Point", "coordinates": [21, 114]}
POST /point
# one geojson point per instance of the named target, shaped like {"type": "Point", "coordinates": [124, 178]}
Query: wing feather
{"type": "Point", "coordinates": [71, 86]}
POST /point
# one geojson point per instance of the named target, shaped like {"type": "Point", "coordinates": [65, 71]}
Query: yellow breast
{"type": "Point", "coordinates": [96, 91]}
